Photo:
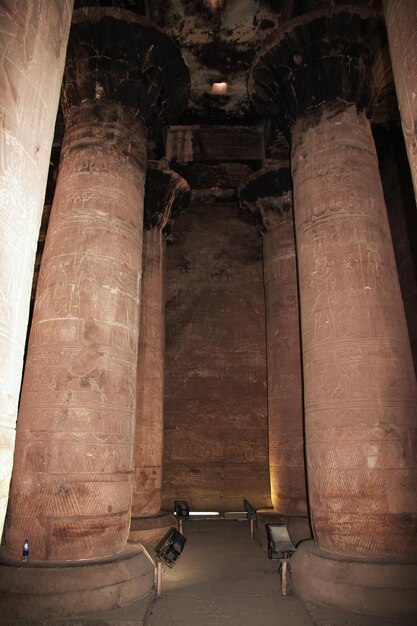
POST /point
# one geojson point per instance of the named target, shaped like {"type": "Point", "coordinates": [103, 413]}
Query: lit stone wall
{"type": "Point", "coordinates": [216, 448]}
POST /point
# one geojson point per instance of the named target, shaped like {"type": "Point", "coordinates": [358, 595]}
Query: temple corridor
{"type": "Point", "coordinates": [208, 309]}
{"type": "Point", "coordinates": [224, 579]}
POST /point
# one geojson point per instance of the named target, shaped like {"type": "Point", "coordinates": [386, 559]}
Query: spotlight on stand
{"type": "Point", "coordinates": [170, 547]}
{"type": "Point", "coordinates": [168, 552]}
{"type": "Point", "coordinates": [280, 547]}
{"type": "Point", "coordinates": [250, 515]}
{"type": "Point", "coordinates": [182, 511]}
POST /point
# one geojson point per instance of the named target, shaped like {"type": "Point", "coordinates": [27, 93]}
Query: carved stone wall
{"type": "Point", "coordinates": [216, 448]}
{"type": "Point", "coordinates": [71, 486]}
{"type": "Point", "coordinates": [32, 53]}
{"type": "Point", "coordinates": [401, 22]}
{"type": "Point", "coordinates": [360, 388]}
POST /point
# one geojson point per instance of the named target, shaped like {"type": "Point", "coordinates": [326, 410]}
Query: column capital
{"type": "Point", "coordinates": [267, 194]}
{"type": "Point", "coordinates": [323, 56]}
{"type": "Point", "coordinates": [167, 194]}
{"type": "Point", "coordinates": [115, 55]}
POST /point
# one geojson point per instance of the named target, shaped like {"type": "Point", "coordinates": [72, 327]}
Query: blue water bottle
{"type": "Point", "coordinates": [25, 555]}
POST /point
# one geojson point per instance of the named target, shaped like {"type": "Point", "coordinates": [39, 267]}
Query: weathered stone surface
{"type": "Point", "coordinates": [214, 143]}
{"type": "Point", "coordinates": [267, 193]}
{"type": "Point", "coordinates": [401, 23]}
{"type": "Point", "coordinates": [72, 479]}
{"type": "Point", "coordinates": [32, 54]}
{"type": "Point", "coordinates": [121, 56]}
{"type": "Point", "coordinates": [166, 194]}
{"type": "Point", "coordinates": [359, 383]}
{"type": "Point", "coordinates": [146, 497]}
{"type": "Point", "coordinates": [325, 55]}
{"type": "Point", "coordinates": [215, 450]}
{"type": "Point", "coordinates": [383, 592]}
{"type": "Point", "coordinates": [219, 176]}
{"type": "Point", "coordinates": [360, 389]}
{"type": "Point", "coordinates": [41, 592]}
{"type": "Point", "coordinates": [71, 490]}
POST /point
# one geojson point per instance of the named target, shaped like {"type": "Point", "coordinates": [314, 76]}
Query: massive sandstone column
{"type": "Point", "coordinates": [268, 194]}
{"type": "Point", "coordinates": [360, 388]}
{"type": "Point", "coordinates": [33, 41]}
{"type": "Point", "coordinates": [72, 481]}
{"type": "Point", "coordinates": [166, 194]}
{"type": "Point", "coordinates": [401, 23]}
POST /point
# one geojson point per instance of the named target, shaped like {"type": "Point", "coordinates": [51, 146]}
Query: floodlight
{"type": "Point", "coordinates": [170, 547]}
{"type": "Point", "coordinates": [168, 552]}
{"type": "Point", "coordinates": [250, 510]}
{"type": "Point", "coordinates": [181, 509]}
{"type": "Point", "coordinates": [280, 547]}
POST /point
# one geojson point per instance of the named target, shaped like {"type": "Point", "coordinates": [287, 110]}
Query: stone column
{"type": "Point", "coordinates": [268, 195]}
{"type": "Point", "coordinates": [166, 194]}
{"type": "Point", "coordinates": [72, 481]}
{"type": "Point", "coordinates": [33, 43]}
{"type": "Point", "coordinates": [402, 217]}
{"type": "Point", "coordinates": [360, 388]}
{"type": "Point", "coordinates": [401, 23]}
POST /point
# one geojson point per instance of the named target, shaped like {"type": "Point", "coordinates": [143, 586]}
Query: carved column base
{"type": "Point", "coordinates": [54, 590]}
{"type": "Point", "coordinates": [151, 529]}
{"type": "Point", "coordinates": [369, 592]}
{"type": "Point", "coordinates": [298, 526]}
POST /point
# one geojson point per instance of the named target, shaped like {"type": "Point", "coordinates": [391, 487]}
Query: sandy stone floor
{"type": "Point", "coordinates": [222, 577]}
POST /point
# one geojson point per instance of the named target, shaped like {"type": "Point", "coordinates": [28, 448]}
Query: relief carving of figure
{"type": "Point", "coordinates": [322, 282]}
{"type": "Point", "coordinates": [86, 287]}
{"type": "Point", "coordinates": [375, 269]}
{"type": "Point", "coordinates": [61, 305]}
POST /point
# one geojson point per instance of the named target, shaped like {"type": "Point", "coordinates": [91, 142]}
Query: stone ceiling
{"type": "Point", "coordinates": [218, 39]}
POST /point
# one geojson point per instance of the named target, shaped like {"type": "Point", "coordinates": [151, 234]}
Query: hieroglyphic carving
{"type": "Point", "coordinates": [360, 388]}
{"type": "Point", "coordinates": [33, 40]}
{"type": "Point", "coordinates": [321, 282]}
{"type": "Point", "coordinates": [78, 397]}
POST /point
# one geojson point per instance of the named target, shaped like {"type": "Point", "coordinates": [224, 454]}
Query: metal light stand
{"type": "Point", "coordinates": [252, 527]}
{"type": "Point", "coordinates": [158, 577]}
{"type": "Point", "coordinates": [280, 547]}
{"type": "Point", "coordinates": [182, 511]}
{"type": "Point", "coordinates": [251, 516]}
{"type": "Point", "coordinates": [167, 552]}
{"type": "Point", "coordinates": [284, 570]}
